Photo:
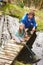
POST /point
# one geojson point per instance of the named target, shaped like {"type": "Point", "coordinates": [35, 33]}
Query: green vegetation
{"type": "Point", "coordinates": [17, 11]}
{"type": "Point", "coordinates": [19, 63]}
{"type": "Point", "coordinates": [13, 10]}
{"type": "Point", "coordinates": [39, 19]}
{"type": "Point", "coordinates": [37, 3]}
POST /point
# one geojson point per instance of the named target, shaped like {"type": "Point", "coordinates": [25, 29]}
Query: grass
{"type": "Point", "coordinates": [13, 10]}
{"type": "Point", "coordinates": [39, 20]}
{"type": "Point", "coordinates": [19, 63]}
{"type": "Point", "coordinates": [17, 11]}
{"type": "Point", "coordinates": [40, 25]}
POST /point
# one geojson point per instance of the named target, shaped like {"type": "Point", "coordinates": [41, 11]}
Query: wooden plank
{"type": "Point", "coordinates": [13, 47]}
{"type": "Point", "coordinates": [7, 57]}
{"type": "Point", "coordinates": [4, 61]}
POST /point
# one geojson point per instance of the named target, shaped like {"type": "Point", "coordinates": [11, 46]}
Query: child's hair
{"type": "Point", "coordinates": [20, 29]}
{"type": "Point", "coordinates": [31, 13]}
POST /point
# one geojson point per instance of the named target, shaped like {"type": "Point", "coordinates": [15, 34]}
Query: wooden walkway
{"type": "Point", "coordinates": [9, 53]}
{"type": "Point", "coordinates": [8, 48]}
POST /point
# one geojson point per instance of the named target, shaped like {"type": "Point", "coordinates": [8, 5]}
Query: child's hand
{"type": "Point", "coordinates": [22, 40]}
{"type": "Point", "coordinates": [26, 30]}
{"type": "Point", "coordinates": [26, 35]}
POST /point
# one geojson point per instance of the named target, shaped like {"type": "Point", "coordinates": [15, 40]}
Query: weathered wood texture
{"type": "Point", "coordinates": [8, 49]}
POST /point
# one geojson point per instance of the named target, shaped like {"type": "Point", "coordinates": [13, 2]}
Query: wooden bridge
{"type": "Point", "coordinates": [9, 53]}
{"type": "Point", "coordinates": [8, 48]}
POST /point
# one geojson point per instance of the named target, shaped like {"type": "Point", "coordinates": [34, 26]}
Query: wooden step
{"type": "Point", "coordinates": [4, 61]}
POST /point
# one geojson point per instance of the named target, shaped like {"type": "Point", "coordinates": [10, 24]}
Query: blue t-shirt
{"type": "Point", "coordinates": [20, 35]}
{"type": "Point", "coordinates": [28, 22]}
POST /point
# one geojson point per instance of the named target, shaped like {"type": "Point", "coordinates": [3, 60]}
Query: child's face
{"type": "Point", "coordinates": [30, 16]}
{"type": "Point", "coordinates": [21, 27]}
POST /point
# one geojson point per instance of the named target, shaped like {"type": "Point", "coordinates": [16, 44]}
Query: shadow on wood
{"type": "Point", "coordinates": [24, 55]}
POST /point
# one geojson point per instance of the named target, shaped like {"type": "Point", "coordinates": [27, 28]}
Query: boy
{"type": "Point", "coordinates": [29, 22]}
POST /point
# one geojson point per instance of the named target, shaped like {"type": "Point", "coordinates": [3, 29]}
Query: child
{"type": "Point", "coordinates": [20, 35]}
{"type": "Point", "coordinates": [29, 22]}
